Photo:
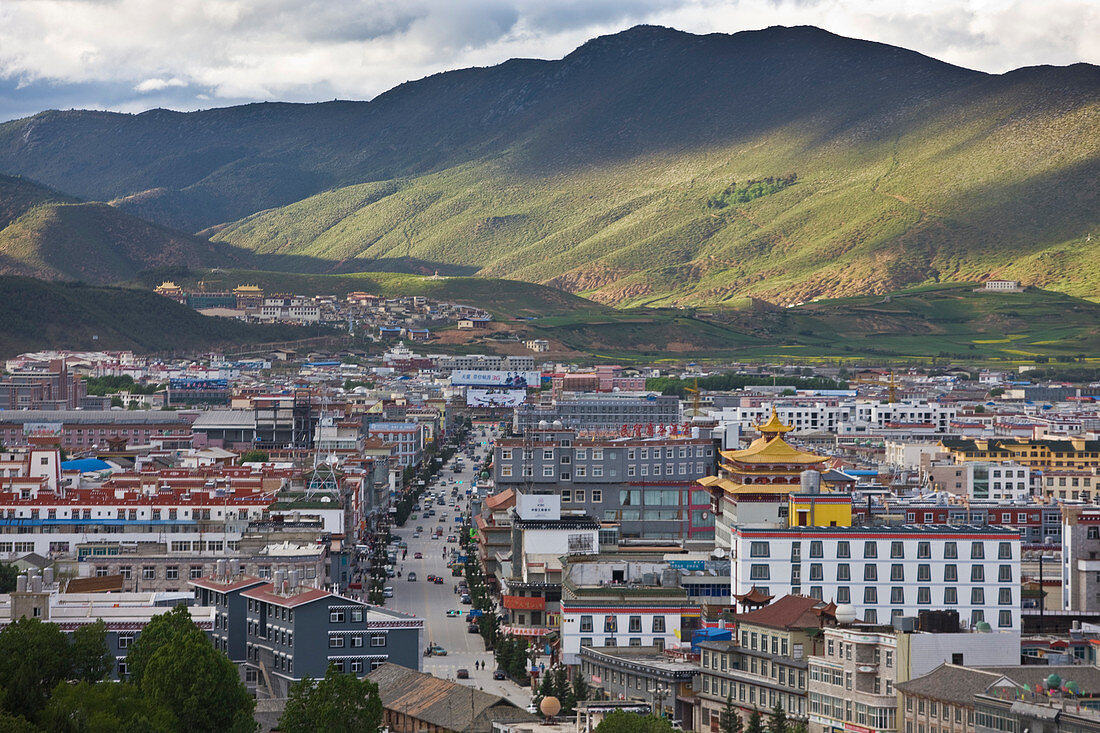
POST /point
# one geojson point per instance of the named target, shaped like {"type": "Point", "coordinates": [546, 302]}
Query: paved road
{"type": "Point", "coordinates": [431, 602]}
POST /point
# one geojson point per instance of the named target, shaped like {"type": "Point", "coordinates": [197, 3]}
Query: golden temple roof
{"type": "Point", "coordinates": [771, 450]}
{"type": "Point", "coordinates": [774, 426]}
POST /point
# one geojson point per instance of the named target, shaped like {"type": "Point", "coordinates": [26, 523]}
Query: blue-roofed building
{"type": "Point", "coordinates": [86, 465]}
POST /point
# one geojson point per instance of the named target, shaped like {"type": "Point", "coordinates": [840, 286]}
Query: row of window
{"type": "Point", "coordinates": [634, 624]}
{"type": "Point", "coordinates": [748, 694]}
{"type": "Point", "coordinates": [897, 550]}
{"type": "Point", "coordinates": [899, 595]}
{"type": "Point", "coordinates": [149, 572]}
{"type": "Point", "coordinates": [897, 573]}
{"type": "Point", "coordinates": [337, 641]}
{"type": "Point", "coordinates": [853, 712]}
{"type": "Point", "coordinates": [781, 674]}
{"type": "Point", "coordinates": [610, 641]}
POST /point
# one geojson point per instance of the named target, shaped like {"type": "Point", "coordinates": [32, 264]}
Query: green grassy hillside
{"type": "Point", "coordinates": [993, 184]}
{"type": "Point", "coordinates": [503, 298]}
{"type": "Point", "coordinates": [40, 315]}
{"type": "Point", "coordinates": [628, 172]}
{"type": "Point", "coordinates": [50, 235]}
{"type": "Point", "coordinates": [942, 323]}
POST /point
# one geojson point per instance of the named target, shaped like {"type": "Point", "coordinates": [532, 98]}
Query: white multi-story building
{"type": "Point", "coordinates": [632, 602]}
{"type": "Point", "coordinates": [806, 416]}
{"type": "Point", "coordinates": [887, 571]}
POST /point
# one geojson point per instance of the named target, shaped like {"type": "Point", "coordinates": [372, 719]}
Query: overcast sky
{"type": "Point", "coordinates": [133, 55]}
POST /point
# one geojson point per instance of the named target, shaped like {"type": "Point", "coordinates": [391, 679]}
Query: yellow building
{"type": "Point", "coordinates": [249, 296]}
{"type": "Point", "coordinates": [169, 289]}
{"type": "Point", "coordinates": [1073, 453]}
{"type": "Point", "coordinates": [754, 484]}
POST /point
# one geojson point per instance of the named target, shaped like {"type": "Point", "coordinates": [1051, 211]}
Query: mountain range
{"type": "Point", "coordinates": [648, 167]}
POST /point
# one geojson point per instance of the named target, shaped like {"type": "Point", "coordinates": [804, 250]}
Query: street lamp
{"type": "Point", "coordinates": [659, 694]}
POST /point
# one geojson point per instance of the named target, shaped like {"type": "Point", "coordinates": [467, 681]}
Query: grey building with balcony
{"type": "Point", "coordinates": [600, 411]}
{"type": "Point", "coordinates": [282, 632]}
{"type": "Point", "coordinates": [644, 485]}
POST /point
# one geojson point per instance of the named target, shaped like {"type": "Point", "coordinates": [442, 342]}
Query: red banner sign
{"type": "Point", "coordinates": [523, 603]}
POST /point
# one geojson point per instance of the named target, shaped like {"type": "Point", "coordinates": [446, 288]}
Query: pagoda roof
{"type": "Point", "coordinates": [754, 597]}
{"type": "Point", "coordinates": [771, 450]}
{"type": "Point", "coordinates": [774, 425]}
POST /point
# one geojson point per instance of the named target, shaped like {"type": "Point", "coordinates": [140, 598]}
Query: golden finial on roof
{"type": "Point", "coordinates": [774, 426]}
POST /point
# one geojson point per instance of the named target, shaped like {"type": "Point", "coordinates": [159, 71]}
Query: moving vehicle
{"type": "Point", "coordinates": [473, 629]}
{"type": "Point", "coordinates": [418, 555]}
{"type": "Point", "coordinates": [463, 674]}
{"type": "Point", "coordinates": [412, 577]}
{"type": "Point", "coordinates": [499, 674]}
{"type": "Point", "coordinates": [452, 539]}
{"type": "Point", "coordinates": [387, 592]}
{"type": "Point", "coordinates": [465, 600]}
{"type": "Point", "coordinates": [438, 650]}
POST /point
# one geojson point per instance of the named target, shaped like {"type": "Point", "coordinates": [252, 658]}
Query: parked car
{"type": "Point", "coordinates": [499, 674]}
{"type": "Point", "coordinates": [463, 674]}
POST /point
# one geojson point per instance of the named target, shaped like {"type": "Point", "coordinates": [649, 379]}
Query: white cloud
{"type": "Point", "coordinates": [155, 85]}
{"type": "Point", "coordinates": [226, 51]}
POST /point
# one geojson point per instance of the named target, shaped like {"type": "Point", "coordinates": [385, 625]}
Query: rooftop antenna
{"type": "Point", "coordinates": [322, 480]}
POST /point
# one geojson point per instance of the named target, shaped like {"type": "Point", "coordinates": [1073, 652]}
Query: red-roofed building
{"type": "Point", "coordinates": [282, 631]}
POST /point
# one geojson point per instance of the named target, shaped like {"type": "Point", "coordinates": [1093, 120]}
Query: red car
{"type": "Point", "coordinates": [418, 556]}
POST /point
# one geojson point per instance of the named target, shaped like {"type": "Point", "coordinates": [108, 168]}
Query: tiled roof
{"type": "Point", "coordinates": [98, 584]}
{"type": "Point", "coordinates": [442, 703]}
{"type": "Point", "coordinates": [501, 500]}
{"type": "Point", "coordinates": [789, 612]}
{"type": "Point", "coordinates": [951, 683]}
{"type": "Point", "coordinates": [266, 592]}
{"type": "Point", "coordinates": [228, 585]}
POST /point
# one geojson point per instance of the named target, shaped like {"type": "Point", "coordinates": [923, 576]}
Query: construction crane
{"type": "Point", "coordinates": [694, 390]}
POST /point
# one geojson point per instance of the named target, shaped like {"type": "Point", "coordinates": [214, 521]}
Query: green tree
{"type": "Point", "coordinates": [34, 657]}
{"type": "Point", "coordinates": [621, 722]}
{"type": "Point", "coordinates": [161, 630]}
{"type": "Point", "coordinates": [92, 661]}
{"type": "Point", "coordinates": [729, 718]}
{"type": "Point", "coordinates": [340, 703]}
{"type": "Point", "coordinates": [88, 707]}
{"type": "Point", "coordinates": [8, 575]}
{"type": "Point", "coordinates": [255, 456]}
{"type": "Point", "coordinates": [755, 724]}
{"type": "Point", "coordinates": [116, 401]}
{"type": "Point", "coordinates": [581, 690]}
{"type": "Point", "coordinates": [199, 685]}
{"type": "Point", "coordinates": [777, 723]}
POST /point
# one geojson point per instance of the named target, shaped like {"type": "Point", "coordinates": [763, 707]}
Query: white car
{"type": "Point", "coordinates": [387, 592]}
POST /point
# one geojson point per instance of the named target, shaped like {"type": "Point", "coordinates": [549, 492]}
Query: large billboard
{"type": "Point", "coordinates": [538, 506]}
{"type": "Point", "coordinates": [506, 380]}
{"type": "Point", "coordinates": [495, 397]}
